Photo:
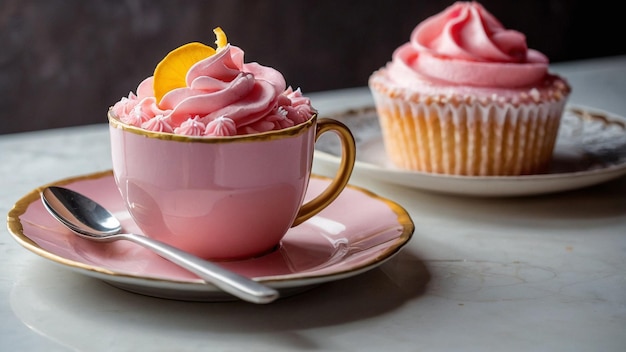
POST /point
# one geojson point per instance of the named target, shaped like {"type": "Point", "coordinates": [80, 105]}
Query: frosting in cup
{"type": "Point", "coordinates": [222, 96]}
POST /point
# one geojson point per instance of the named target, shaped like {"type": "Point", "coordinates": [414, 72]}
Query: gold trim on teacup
{"type": "Point", "coordinates": [269, 135]}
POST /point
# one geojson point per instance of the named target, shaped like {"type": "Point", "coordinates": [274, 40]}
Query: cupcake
{"type": "Point", "coordinates": [200, 91]}
{"type": "Point", "coordinates": [466, 96]}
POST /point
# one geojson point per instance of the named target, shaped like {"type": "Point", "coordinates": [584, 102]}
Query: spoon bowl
{"type": "Point", "coordinates": [90, 220]}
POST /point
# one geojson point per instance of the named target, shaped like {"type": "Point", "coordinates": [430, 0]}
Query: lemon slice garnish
{"type": "Point", "coordinates": [221, 37]}
{"type": "Point", "coordinates": [171, 72]}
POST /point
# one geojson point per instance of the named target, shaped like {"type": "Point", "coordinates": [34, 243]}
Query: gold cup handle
{"type": "Point", "coordinates": [348, 155]}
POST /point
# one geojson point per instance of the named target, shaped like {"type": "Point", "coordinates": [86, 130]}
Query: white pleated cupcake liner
{"type": "Point", "coordinates": [475, 138]}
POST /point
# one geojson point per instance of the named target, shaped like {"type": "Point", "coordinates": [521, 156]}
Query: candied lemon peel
{"type": "Point", "coordinates": [171, 72]}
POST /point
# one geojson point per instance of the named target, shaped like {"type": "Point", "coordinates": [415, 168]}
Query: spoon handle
{"type": "Point", "coordinates": [233, 283]}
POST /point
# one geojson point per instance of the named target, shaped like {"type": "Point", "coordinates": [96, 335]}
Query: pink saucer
{"type": "Point", "coordinates": [357, 232]}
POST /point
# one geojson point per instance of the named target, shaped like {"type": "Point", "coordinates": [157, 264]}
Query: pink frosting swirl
{"type": "Point", "coordinates": [157, 124]}
{"type": "Point", "coordinates": [221, 126]}
{"type": "Point", "coordinates": [224, 96]}
{"type": "Point", "coordinates": [467, 45]}
{"type": "Point", "coordinates": [191, 127]}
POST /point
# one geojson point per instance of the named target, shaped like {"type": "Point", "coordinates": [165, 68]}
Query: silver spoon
{"type": "Point", "coordinates": [90, 220]}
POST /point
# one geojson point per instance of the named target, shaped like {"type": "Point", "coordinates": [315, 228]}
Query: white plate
{"type": "Point", "coordinates": [332, 245]}
{"type": "Point", "coordinates": [590, 149]}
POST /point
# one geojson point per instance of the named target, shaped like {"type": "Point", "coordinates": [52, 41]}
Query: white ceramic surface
{"type": "Point", "coordinates": [332, 245]}
{"type": "Point", "coordinates": [590, 149]}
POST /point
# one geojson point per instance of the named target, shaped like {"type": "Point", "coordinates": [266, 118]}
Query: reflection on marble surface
{"type": "Point", "coordinates": [59, 314]}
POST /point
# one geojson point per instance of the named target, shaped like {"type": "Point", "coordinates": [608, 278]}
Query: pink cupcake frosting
{"type": "Point", "coordinates": [465, 50]}
{"type": "Point", "coordinates": [223, 97]}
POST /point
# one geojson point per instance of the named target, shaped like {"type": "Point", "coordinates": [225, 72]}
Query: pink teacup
{"type": "Point", "coordinates": [223, 197]}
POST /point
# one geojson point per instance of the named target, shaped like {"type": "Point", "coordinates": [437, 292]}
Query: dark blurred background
{"type": "Point", "coordinates": [64, 62]}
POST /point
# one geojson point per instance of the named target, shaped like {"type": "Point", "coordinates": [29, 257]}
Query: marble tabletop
{"type": "Point", "coordinates": [540, 273]}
